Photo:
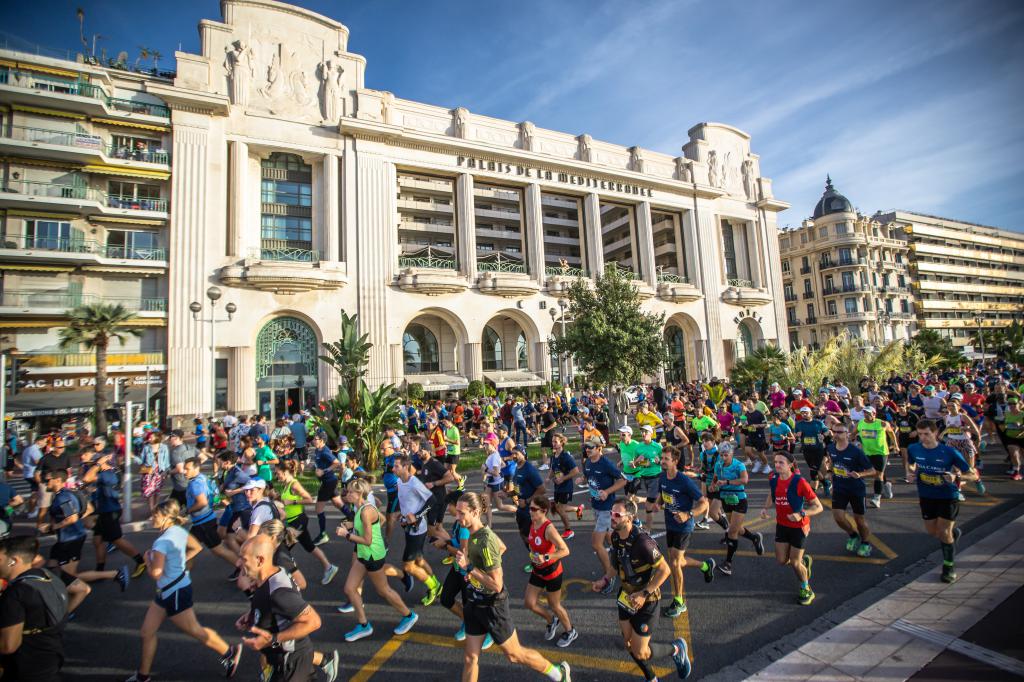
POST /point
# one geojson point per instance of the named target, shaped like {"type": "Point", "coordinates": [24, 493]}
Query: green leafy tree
{"type": "Point", "coordinates": [764, 366]}
{"type": "Point", "coordinates": [476, 389]}
{"type": "Point", "coordinates": [379, 411]}
{"type": "Point", "coordinates": [1013, 343]}
{"type": "Point", "coordinates": [611, 338]}
{"type": "Point", "coordinates": [415, 392]}
{"type": "Point", "coordinates": [933, 345]}
{"type": "Point", "coordinates": [94, 326]}
{"type": "Point", "coordinates": [349, 357]}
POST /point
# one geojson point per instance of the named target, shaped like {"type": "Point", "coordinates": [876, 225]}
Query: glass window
{"type": "Point", "coordinates": [47, 234]}
{"type": "Point", "coordinates": [426, 221]}
{"type": "Point", "coordinates": [830, 307]}
{"type": "Point", "coordinates": [492, 359]}
{"type": "Point", "coordinates": [221, 390]}
{"type": "Point", "coordinates": [564, 245]}
{"type": "Point", "coordinates": [850, 304]}
{"type": "Point", "coordinates": [618, 238]}
{"type": "Point", "coordinates": [729, 252]}
{"type": "Point", "coordinates": [420, 351]}
{"type": "Point", "coordinates": [522, 352]}
{"type": "Point", "coordinates": [669, 250]}
{"type": "Point", "coordinates": [287, 193]}
{"type": "Point", "coordinates": [744, 342]}
{"type": "Point", "coordinates": [810, 311]}
{"type": "Point", "coordinates": [286, 222]}
{"type": "Point", "coordinates": [499, 221]}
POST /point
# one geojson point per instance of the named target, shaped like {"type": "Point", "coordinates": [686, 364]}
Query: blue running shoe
{"type": "Point", "coordinates": [407, 582]}
{"type": "Point", "coordinates": [460, 636]}
{"type": "Point", "coordinates": [488, 642]}
{"type": "Point", "coordinates": [346, 607]}
{"type": "Point", "coordinates": [681, 658]}
{"type": "Point", "coordinates": [360, 631]}
{"type": "Point", "coordinates": [406, 623]}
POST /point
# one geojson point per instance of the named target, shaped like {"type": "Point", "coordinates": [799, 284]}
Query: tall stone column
{"type": "Point", "coordinates": [397, 364]}
{"type": "Point", "coordinates": [242, 379]}
{"type": "Point", "coordinates": [189, 371]}
{"type": "Point", "coordinates": [238, 161]}
{"type": "Point", "coordinates": [375, 257]}
{"type": "Point", "coordinates": [535, 232]}
{"type": "Point", "coordinates": [465, 223]}
{"type": "Point", "coordinates": [645, 244]}
{"type": "Point", "coordinates": [473, 361]}
{"type": "Point", "coordinates": [542, 360]}
{"type": "Point", "coordinates": [331, 239]}
{"type": "Point", "coordinates": [592, 226]}
{"type": "Point", "coordinates": [755, 252]}
{"type": "Point", "coordinates": [773, 277]}
{"type": "Point", "coordinates": [710, 269]}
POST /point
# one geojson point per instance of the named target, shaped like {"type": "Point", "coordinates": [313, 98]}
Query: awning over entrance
{"type": "Point", "coordinates": [513, 378]}
{"type": "Point", "coordinates": [54, 403]}
{"type": "Point", "coordinates": [438, 382]}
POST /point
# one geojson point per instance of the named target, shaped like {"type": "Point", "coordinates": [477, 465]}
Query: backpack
{"type": "Point", "coordinates": [54, 596]}
{"type": "Point", "coordinates": [794, 498]}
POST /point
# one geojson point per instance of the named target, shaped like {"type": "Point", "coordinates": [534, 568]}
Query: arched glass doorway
{"type": "Point", "coordinates": [286, 367]}
{"type": "Point", "coordinates": [675, 373]}
{"type": "Point", "coordinates": [744, 341]}
{"type": "Point", "coordinates": [420, 351]}
{"type": "Point", "coordinates": [491, 350]}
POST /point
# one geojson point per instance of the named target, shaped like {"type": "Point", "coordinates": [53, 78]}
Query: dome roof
{"type": "Point", "coordinates": [831, 202]}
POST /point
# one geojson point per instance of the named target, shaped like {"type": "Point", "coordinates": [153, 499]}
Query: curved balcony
{"type": "Point", "coordinates": [558, 279]}
{"type": "Point", "coordinates": [677, 288]}
{"type": "Point", "coordinates": [285, 271]}
{"type": "Point", "coordinates": [504, 276]}
{"type": "Point", "coordinates": [742, 292]}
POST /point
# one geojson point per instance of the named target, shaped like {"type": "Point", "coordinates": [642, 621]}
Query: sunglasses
{"type": "Point", "coordinates": [619, 515]}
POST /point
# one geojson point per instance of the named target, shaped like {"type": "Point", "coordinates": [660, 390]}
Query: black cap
{"type": "Point", "coordinates": [177, 432]}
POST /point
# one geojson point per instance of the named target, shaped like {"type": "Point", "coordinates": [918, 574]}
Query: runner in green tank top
{"type": "Point", "coordinates": [875, 435]}
{"type": "Point", "coordinates": [294, 497]}
{"type": "Point", "coordinates": [370, 552]}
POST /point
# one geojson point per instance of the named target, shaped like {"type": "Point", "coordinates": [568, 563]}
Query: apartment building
{"type": "Point", "coordinates": [966, 277]}
{"type": "Point", "coordinates": [84, 190]}
{"type": "Point", "coordinates": [844, 272]}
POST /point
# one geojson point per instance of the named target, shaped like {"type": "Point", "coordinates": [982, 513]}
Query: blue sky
{"type": "Point", "coordinates": [912, 104]}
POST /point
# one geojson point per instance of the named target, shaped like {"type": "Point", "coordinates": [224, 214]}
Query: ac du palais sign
{"type": "Point", "coordinates": [541, 174]}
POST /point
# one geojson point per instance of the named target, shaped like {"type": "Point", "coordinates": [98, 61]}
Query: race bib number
{"type": "Point", "coordinates": [954, 431]}
{"type": "Point", "coordinates": [904, 429]}
{"type": "Point", "coordinates": [810, 440]}
{"type": "Point", "coordinates": [666, 498]}
{"type": "Point", "coordinates": [731, 498]}
{"type": "Point", "coordinates": [842, 472]}
{"type": "Point", "coordinates": [476, 584]}
{"type": "Point", "coordinates": [624, 602]}
{"type": "Point", "coordinates": [930, 479]}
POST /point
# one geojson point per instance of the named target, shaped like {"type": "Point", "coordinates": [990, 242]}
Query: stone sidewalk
{"type": "Point", "coordinates": [902, 633]}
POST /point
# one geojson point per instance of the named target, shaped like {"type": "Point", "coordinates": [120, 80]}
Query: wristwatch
{"type": "Point", "coordinates": [645, 593]}
{"type": "Point", "coordinates": [274, 644]}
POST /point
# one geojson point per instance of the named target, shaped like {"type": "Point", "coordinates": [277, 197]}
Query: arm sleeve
{"type": "Point", "coordinates": [421, 491]}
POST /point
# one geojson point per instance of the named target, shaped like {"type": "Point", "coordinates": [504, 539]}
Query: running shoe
{"type": "Point", "coordinates": [528, 568]}
{"type": "Point", "coordinates": [230, 660]}
{"type": "Point", "coordinates": [960, 496]}
{"type": "Point", "coordinates": [806, 596]}
{"type": "Point", "coordinates": [579, 509]}
{"type": "Point", "coordinates": [124, 577]}
{"type": "Point", "coordinates": [563, 668]}
{"type": "Point", "coordinates": [330, 666]}
{"type": "Point", "coordinates": [726, 568]}
{"type": "Point", "coordinates": [853, 543]}
{"type": "Point", "coordinates": [345, 608]}
{"type": "Point", "coordinates": [674, 610]}
{"type": "Point", "coordinates": [462, 482]}
{"type": "Point", "coordinates": [808, 563]}
{"type": "Point", "coordinates": [681, 657]}
{"type": "Point", "coordinates": [758, 544]}
{"type": "Point", "coordinates": [321, 539]}
{"type": "Point", "coordinates": [979, 485]}
{"type": "Point", "coordinates": [567, 638]}
{"type": "Point", "coordinates": [543, 467]}
{"type": "Point", "coordinates": [709, 574]}
{"type": "Point", "coordinates": [360, 631]}
{"type": "Point", "coordinates": [140, 568]}
{"type": "Point", "coordinates": [887, 486]}
{"type": "Point", "coordinates": [406, 623]}
{"type": "Point", "coordinates": [609, 588]}
{"type": "Point", "coordinates": [407, 582]}
{"type": "Point", "coordinates": [702, 524]}
{"type": "Point", "coordinates": [234, 575]}
{"type": "Point", "coordinates": [138, 677]}
{"type": "Point", "coordinates": [431, 596]}
{"type": "Point", "coordinates": [329, 574]}
{"type": "Point", "coordinates": [447, 561]}
{"type": "Point", "coordinates": [488, 643]}
{"type": "Point", "coordinates": [864, 550]}
{"type": "Point", "coordinates": [552, 629]}
{"type": "Point", "coordinates": [111, 548]}
{"type": "Point", "coordinates": [948, 574]}
{"type": "Point", "coordinates": [460, 634]}
{"type": "Point", "coordinates": [568, 534]}
{"type": "Point", "coordinates": [875, 501]}
{"type": "Point", "coordinates": [1016, 476]}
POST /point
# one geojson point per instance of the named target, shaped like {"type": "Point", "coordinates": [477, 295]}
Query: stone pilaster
{"type": "Point", "coordinates": [331, 240]}
{"type": "Point", "coordinates": [473, 361]}
{"type": "Point", "coordinates": [397, 364]}
{"type": "Point", "coordinates": [592, 227]}
{"type": "Point", "coordinates": [242, 379]}
{"type": "Point", "coordinates": [238, 161]}
{"type": "Point", "coordinates": [465, 224]}
{"type": "Point", "coordinates": [710, 272]}
{"type": "Point", "coordinates": [535, 232]}
{"type": "Point", "coordinates": [773, 278]}
{"type": "Point", "coordinates": [542, 360]}
{"type": "Point", "coordinates": [645, 244]}
{"type": "Point", "coordinates": [375, 258]}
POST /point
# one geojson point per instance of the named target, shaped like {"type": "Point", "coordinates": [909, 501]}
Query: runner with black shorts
{"type": "Point", "coordinates": [729, 484]}
{"type": "Point", "coordinates": [204, 520]}
{"type": "Point", "coordinates": [850, 466]}
{"type": "Point", "coordinates": [682, 501]}
{"type": "Point", "coordinates": [905, 423]}
{"type": "Point", "coordinates": [527, 485]}
{"type": "Point", "coordinates": [547, 549]}
{"type": "Point", "coordinates": [936, 467]}
{"type": "Point", "coordinates": [106, 499]}
{"type": "Point", "coordinates": [294, 498]}
{"type": "Point", "coordinates": [486, 601]}
{"type": "Point", "coordinates": [642, 571]}
{"type": "Point", "coordinates": [706, 461]}
{"type": "Point", "coordinates": [414, 502]}
{"type": "Point", "coordinates": [238, 509]}
{"type": "Point", "coordinates": [563, 471]}
{"type": "Point", "coordinates": [327, 466]}
{"type": "Point", "coordinates": [795, 503]}
{"type": "Point", "coordinates": [810, 433]}
{"type": "Point", "coordinates": [436, 477]}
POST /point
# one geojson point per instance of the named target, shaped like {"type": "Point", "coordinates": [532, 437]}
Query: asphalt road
{"type": "Point", "coordinates": [727, 619]}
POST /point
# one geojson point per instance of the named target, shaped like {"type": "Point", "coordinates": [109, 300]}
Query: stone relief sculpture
{"type": "Point", "coordinates": [240, 64]}
{"type": "Point", "coordinates": [725, 172]}
{"type": "Point", "coordinates": [748, 179]}
{"type": "Point", "coordinates": [387, 103]}
{"type": "Point", "coordinates": [526, 132]}
{"type": "Point", "coordinates": [714, 176]}
{"type": "Point", "coordinates": [684, 171]}
{"type": "Point", "coordinates": [330, 88]}
{"type": "Point", "coordinates": [586, 147]}
{"type": "Point", "coordinates": [461, 120]}
{"type": "Point", "coordinates": [636, 159]}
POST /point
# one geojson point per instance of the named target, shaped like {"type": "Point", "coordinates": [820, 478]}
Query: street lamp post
{"type": "Point", "coordinates": [558, 315]}
{"type": "Point", "coordinates": [978, 319]}
{"type": "Point", "coordinates": [213, 294]}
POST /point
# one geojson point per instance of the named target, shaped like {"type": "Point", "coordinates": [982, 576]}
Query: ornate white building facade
{"type": "Point", "coordinates": [301, 194]}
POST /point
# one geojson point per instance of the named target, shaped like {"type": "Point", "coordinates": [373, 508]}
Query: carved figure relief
{"type": "Point", "coordinates": [461, 121]}
{"type": "Point", "coordinates": [526, 132]}
{"type": "Point", "coordinates": [748, 179]}
{"type": "Point", "coordinates": [636, 159]}
{"type": "Point", "coordinates": [684, 171]}
{"type": "Point", "coordinates": [240, 64]}
{"type": "Point", "coordinates": [387, 103]}
{"type": "Point", "coordinates": [330, 74]}
{"type": "Point", "coordinates": [586, 147]}
{"type": "Point", "coordinates": [714, 172]}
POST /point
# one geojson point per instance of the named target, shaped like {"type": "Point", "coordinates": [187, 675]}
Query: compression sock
{"type": "Point", "coordinates": [678, 600]}
{"type": "Point", "coordinates": [553, 672]}
{"type": "Point", "coordinates": [805, 585]}
{"type": "Point", "coordinates": [321, 518]}
{"type": "Point", "coordinates": [748, 535]}
{"type": "Point", "coordinates": [645, 667]}
{"type": "Point", "coordinates": [947, 554]}
{"type": "Point", "coordinates": [431, 582]}
{"type": "Point", "coordinates": [138, 559]}
{"type": "Point", "coordinates": [722, 521]}
{"type": "Point", "coordinates": [878, 486]}
{"type": "Point", "coordinates": [731, 547]}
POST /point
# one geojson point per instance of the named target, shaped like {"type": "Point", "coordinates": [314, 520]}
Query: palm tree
{"type": "Point", "coordinates": [763, 366]}
{"type": "Point", "coordinates": [95, 325]}
{"type": "Point", "coordinates": [349, 356]}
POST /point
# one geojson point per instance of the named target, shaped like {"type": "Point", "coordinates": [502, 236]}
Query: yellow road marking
{"type": "Point", "coordinates": [882, 547]}
{"type": "Point", "coordinates": [681, 626]}
{"type": "Point", "coordinates": [379, 659]}
{"type": "Point", "coordinates": [626, 666]}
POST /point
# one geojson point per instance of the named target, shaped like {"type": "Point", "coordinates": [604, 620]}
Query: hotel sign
{"type": "Point", "coordinates": [553, 176]}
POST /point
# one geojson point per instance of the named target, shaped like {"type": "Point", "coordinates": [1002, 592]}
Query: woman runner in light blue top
{"type": "Point", "coordinates": [166, 564]}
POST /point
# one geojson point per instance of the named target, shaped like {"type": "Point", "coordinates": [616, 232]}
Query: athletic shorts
{"type": "Point", "coordinates": [392, 502]}
{"type": "Point", "coordinates": [932, 508]}
{"type": "Point", "coordinates": [301, 524]}
{"type": "Point", "coordinates": [602, 520]}
{"type": "Point", "coordinates": [45, 498]}
{"type": "Point", "coordinates": [495, 487]}
{"type": "Point", "coordinates": [553, 585]}
{"type": "Point", "coordinates": [372, 564]}
{"type": "Point", "coordinates": [494, 619]}
{"type": "Point", "coordinates": [841, 499]}
{"type": "Point", "coordinates": [523, 520]}
{"type": "Point", "coordinates": [677, 540]}
{"type": "Point", "coordinates": [740, 507]}
{"type": "Point", "coordinates": [206, 533]}
{"type": "Point", "coordinates": [452, 460]}
{"type": "Point", "coordinates": [787, 535]}
{"type": "Point", "coordinates": [67, 552]}
{"type": "Point", "coordinates": [716, 495]}
{"type": "Point", "coordinates": [227, 519]}
{"type": "Point", "coordinates": [294, 666]}
{"type": "Point", "coordinates": [878, 461]}
{"type": "Point", "coordinates": [644, 620]}
{"type": "Point", "coordinates": [563, 498]}
{"type": "Point", "coordinates": [413, 547]}
{"type": "Point", "coordinates": [108, 526]}
{"type": "Point", "coordinates": [328, 490]}
{"type": "Point", "coordinates": [435, 514]}
{"type": "Point", "coordinates": [648, 486]}
{"type": "Point", "coordinates": [453, 586]}
{"type": "Point", "coordinates": [177, 601]}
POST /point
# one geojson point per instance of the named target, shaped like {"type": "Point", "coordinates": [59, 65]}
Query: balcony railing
{"type": "Point", "coordinates": [157, 253]}
{"type": "Point", "coordinates": [791, 297]}
{"type": "Point", "coordinates": [628, 273]}
{"type": "Point", "coordinates": [565, 271]}
{"type": "Point", "coordinates": [48, 360]}
{"type": "Point", "coordinates": [672, 278]}
{"type": "Point", "coordinates": [428, 257]}
{"type": "Point", "coordinates": [812, 320]}
{"type": "Point", "coordinates": [499, 263]}
{"type": "Point", "coordinates": [63, 300]}
{"type": "Point", "coordinates": [35, 81]}
{"type": "Point", "coordinates": [825, 264]}
{"type": "Point", "coordinates": [63, 138]}
{"type": "Point", "coordinates": [808, 295]}
{"type": "Point", "coordinates": [133, 107]}
{"type": "Point", "coordinates": [78, 245]}
{"type": "Point", "coordinates": [743, 283]}
{"type": "Point", "coordinates": [805, 270]}
{"type": "Point", "coordinates": [52, 189]}
{"type": "Point", "coordinates": [135, 154]}
{"type": "Point", "coordinates": [271, 251]}
{"type": "Point", "coordinates": [137, 203]}
{"type": "Point", "coordinates": [845, 289]}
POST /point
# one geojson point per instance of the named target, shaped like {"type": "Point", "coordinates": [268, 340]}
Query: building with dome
{"type": "Point", "coordinates": [844, 272]}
